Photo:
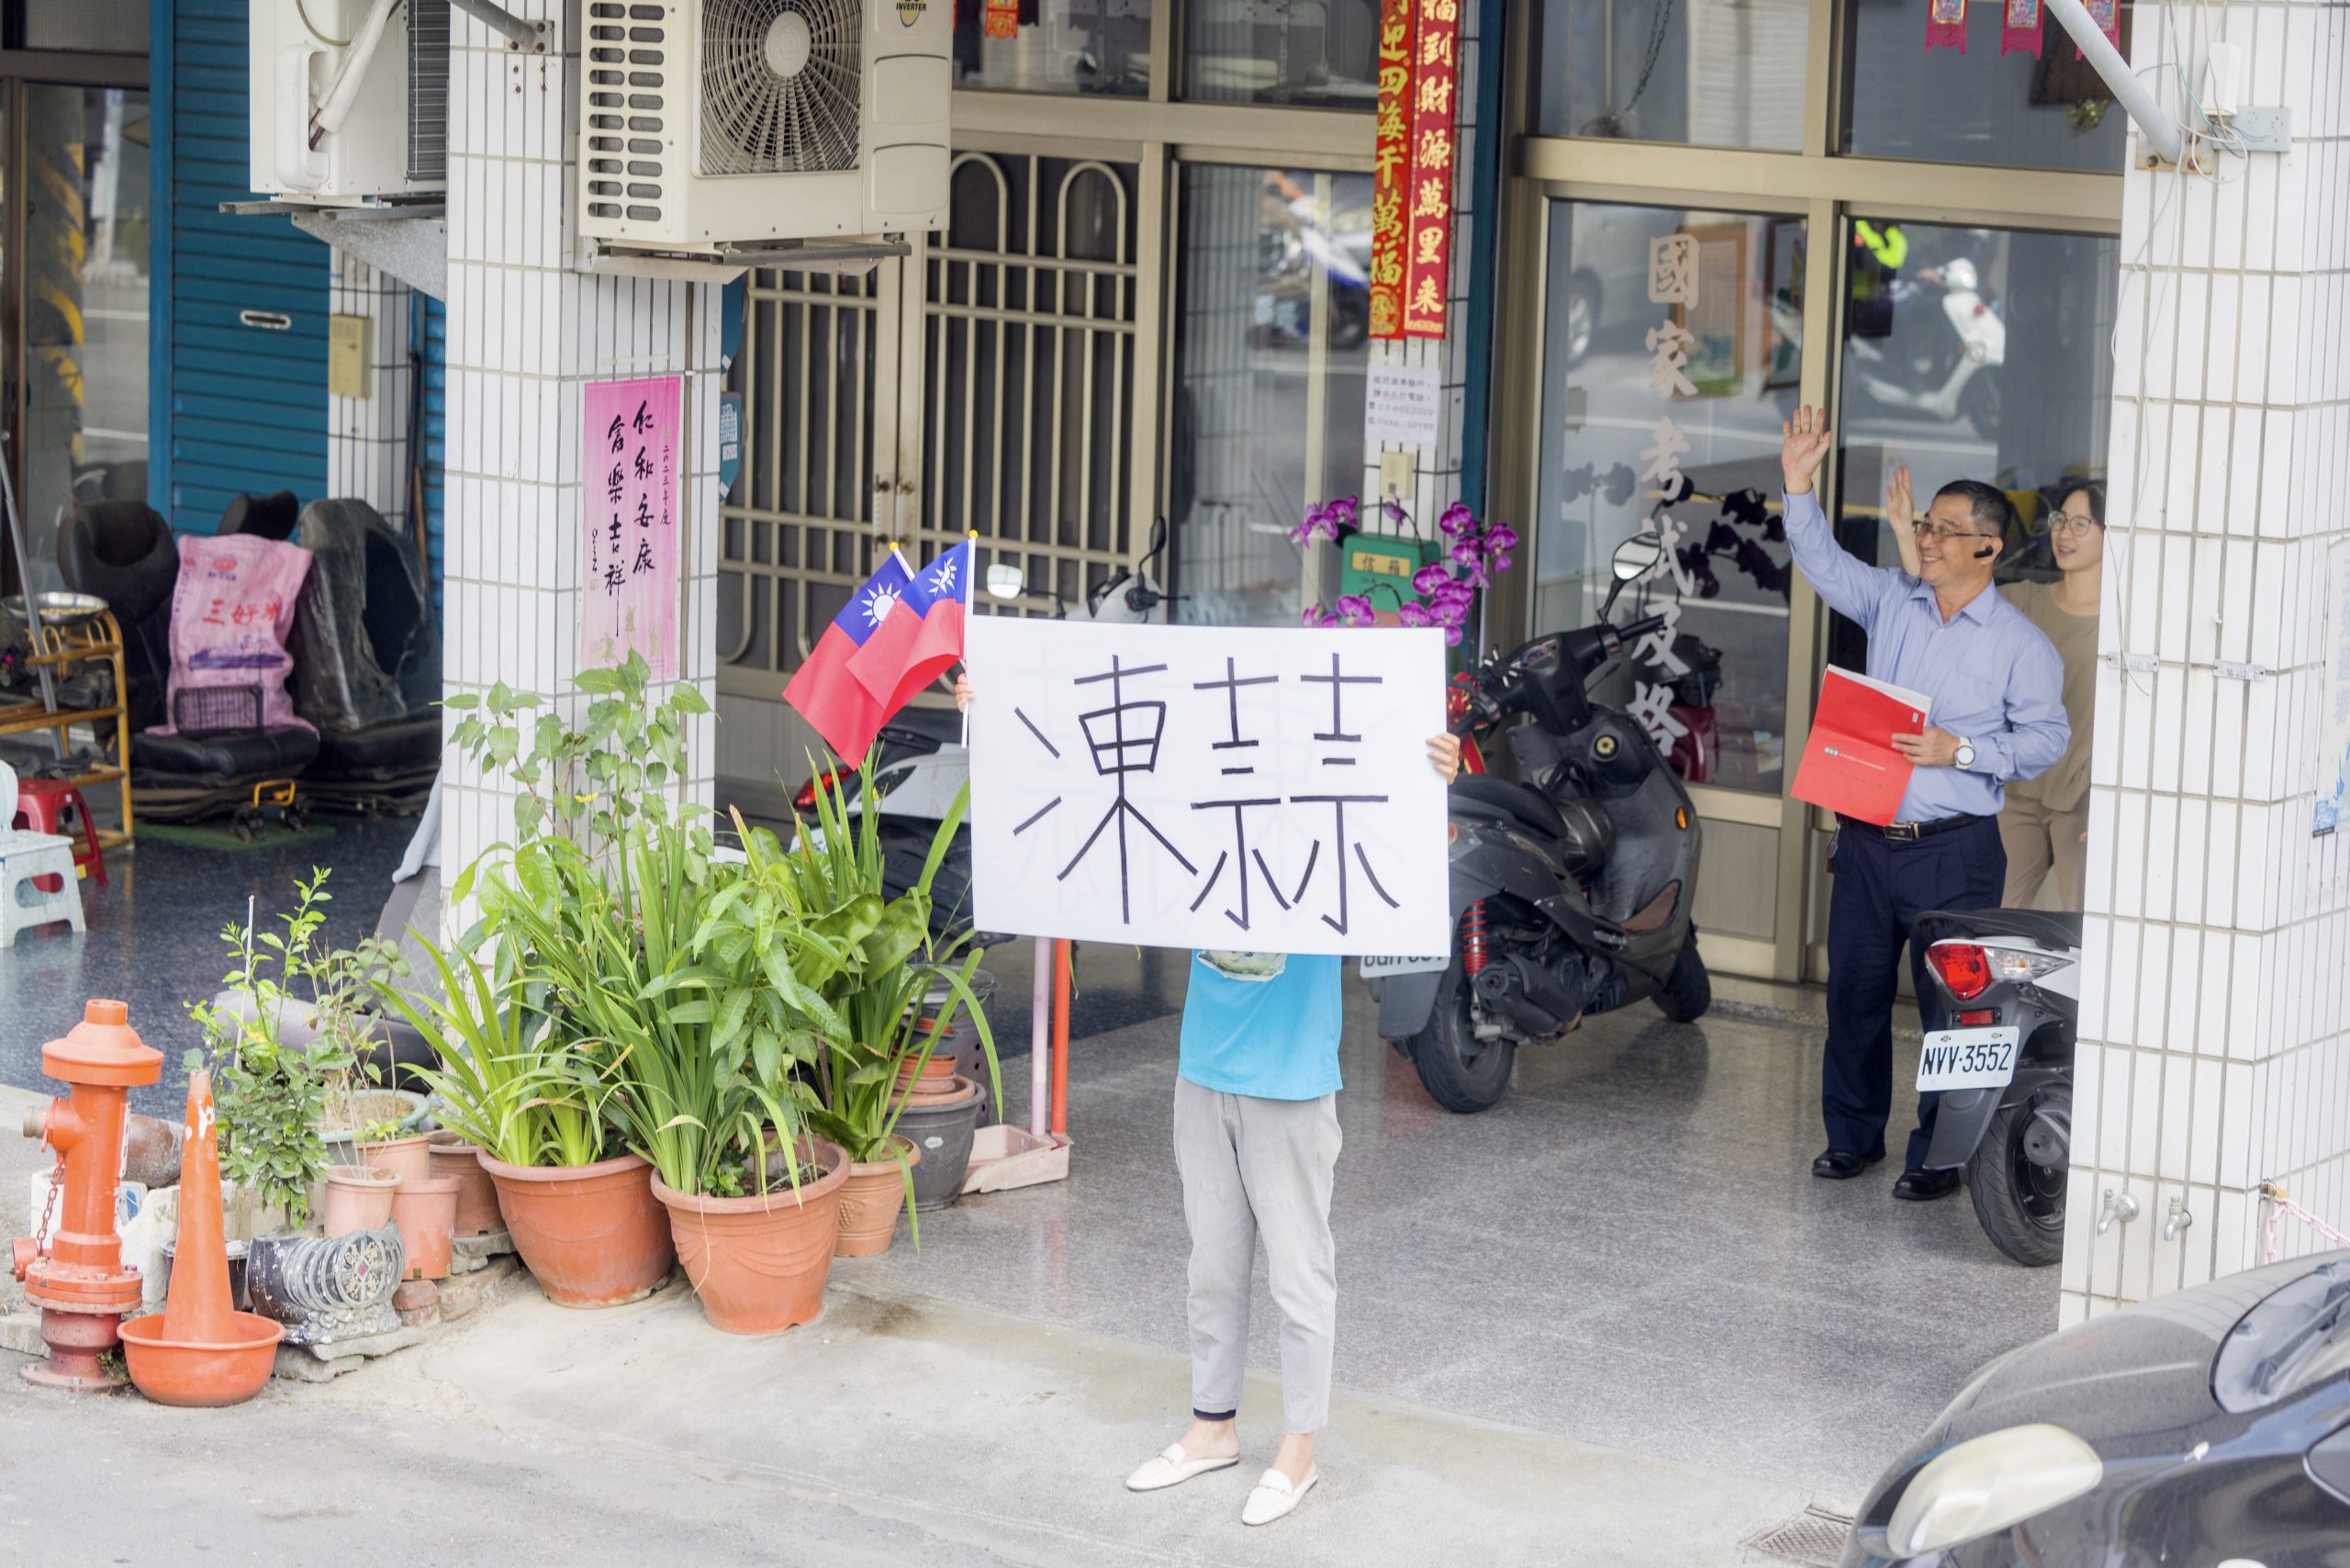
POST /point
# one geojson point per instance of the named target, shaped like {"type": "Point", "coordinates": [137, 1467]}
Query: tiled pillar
{"type": "Point", "coordinates": [526, 331]}
{"type": "Point", "coordinates": [368, 456]}
{"type": "Point", "coordinates": [2215, 1040]}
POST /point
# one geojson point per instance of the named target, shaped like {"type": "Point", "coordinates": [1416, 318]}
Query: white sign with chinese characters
{"type": "Point", "coordinates": [1402, 405]}
{"type": "Point", "coordinates": [1209, 787]}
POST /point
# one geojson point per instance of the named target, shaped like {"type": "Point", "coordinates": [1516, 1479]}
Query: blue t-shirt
{"type": "Point", "coordinates": [1271, 1039]}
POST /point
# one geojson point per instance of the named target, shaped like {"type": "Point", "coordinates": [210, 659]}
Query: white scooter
{"type": "Point", "coordinates": [1956, 377]}
{"type": "Point", "coordinates": [920, 764]}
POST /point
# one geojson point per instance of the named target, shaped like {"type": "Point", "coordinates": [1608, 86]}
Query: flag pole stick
{"type": "Point", "coordinates": [971, 570]}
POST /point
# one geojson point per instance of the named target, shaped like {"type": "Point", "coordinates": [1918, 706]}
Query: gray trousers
{"type": "Point", "coordinates": [1254, 1168]}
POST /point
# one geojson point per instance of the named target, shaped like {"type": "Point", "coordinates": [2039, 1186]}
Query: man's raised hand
{"type": "Point", "coordinates": [1804, 442]}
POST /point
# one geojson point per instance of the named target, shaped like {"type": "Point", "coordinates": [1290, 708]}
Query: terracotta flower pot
{"type": "Point", "coordinates": [591, 1234]}
{"type": "Point", "coordinates": [477, 1194]}
{"type": "Point", "coordinates": [759, 1263]}
{"type": "Point", "coordinates": [426, 1212]}
{"type": "Point", "coordinates": [935, 1074]}
{"type": "Point", "coordinates": [359, 1197]}
{"type": "Point", "coordinates": [870, 1201]}
{"type": "Point", "coordinates": [410, 1156]}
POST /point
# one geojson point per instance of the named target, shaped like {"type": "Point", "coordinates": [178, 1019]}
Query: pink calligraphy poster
{"type": "Point", "coordinates": [630, 457]}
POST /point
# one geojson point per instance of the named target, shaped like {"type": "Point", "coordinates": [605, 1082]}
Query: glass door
{"type": "Point", "coordinates": [73, 252]}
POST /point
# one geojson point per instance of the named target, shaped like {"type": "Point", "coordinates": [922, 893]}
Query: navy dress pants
{"type": "Point", "coordinates": [1880, 887]}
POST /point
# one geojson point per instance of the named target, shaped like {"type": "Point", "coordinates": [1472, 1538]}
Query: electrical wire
{"type": "Point", "coordinates": [303, 11]}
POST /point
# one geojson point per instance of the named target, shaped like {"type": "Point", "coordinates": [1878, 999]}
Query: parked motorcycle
{"type": "Point", "coordinates": [1571, 896]}
{"type": "Point", "coordinates": [2011, 978]}
{"type": "Point", "coordinates": [1945, 370]}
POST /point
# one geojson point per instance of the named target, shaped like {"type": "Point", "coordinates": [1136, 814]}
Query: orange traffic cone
{"type": "Point", "coordinates": [198, 1350]}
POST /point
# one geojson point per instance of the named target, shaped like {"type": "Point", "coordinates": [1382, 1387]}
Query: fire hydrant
{"type": "Point", "coordinates": [79, 1282]}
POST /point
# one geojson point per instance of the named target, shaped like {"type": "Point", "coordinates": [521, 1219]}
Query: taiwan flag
{"type": "Point", "coordinates": [827, 695]}
{"type": "Point", "coordinates": [922, 637]}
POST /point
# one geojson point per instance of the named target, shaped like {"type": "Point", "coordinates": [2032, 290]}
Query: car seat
{"type": "Point", "coordinates": [122, 551]}
{"type": "Point", "coordinates": [273, 516]}
{"type": "Point", "coordinates": [367, 660]}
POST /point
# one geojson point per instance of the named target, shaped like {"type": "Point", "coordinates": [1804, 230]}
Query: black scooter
{"type": "Point", "coordinates": [1570, 898]}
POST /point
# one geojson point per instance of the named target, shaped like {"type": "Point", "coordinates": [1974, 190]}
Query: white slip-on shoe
{"type": "Point", "coordinates": [1275, 1498]}
{"type": "Point", "coordinates": [1172, 1467]}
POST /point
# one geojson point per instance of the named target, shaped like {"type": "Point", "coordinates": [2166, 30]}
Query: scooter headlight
{"type": "Point", "coordinates": [1990, 1483]}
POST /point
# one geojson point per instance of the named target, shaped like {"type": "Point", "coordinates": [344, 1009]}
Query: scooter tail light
{"type": "Point", "coordinates": [1963, 968]}
{"type": "Point", "coordinates": [805, 799]}
{"type": "Point", "coordinates": [1976, 1018]}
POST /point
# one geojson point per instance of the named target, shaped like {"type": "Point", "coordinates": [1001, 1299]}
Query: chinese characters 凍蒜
{"type": "Point", "coordinates": [1328, 864]}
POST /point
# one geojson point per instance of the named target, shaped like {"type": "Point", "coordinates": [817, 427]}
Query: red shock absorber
{"type": "Point", "coordinates": [1472, 940]}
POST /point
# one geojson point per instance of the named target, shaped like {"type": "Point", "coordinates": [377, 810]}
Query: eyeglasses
{"type": "Point", "coordinates": [1946, 532]}
{"type": "Point", "coordinates": [2073, 522]}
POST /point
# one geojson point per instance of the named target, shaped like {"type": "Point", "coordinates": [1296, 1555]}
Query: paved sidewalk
{"type": "Point", "coordinates": [891, 1430]}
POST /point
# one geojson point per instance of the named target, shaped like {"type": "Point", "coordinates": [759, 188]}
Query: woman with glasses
{"type": "Point", "coordinates": [2044, 826]}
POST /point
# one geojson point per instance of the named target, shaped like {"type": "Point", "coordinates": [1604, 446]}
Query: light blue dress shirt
{"type": "Point", "coordinates": [1993, 677]}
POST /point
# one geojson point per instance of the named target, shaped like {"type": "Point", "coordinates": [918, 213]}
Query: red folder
{"type": "Point", "coordinates": [1849, 765]}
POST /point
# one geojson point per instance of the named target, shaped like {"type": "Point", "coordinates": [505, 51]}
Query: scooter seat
{"type": "Point", "coordinates": [2054, 929]}
{"type": "Point", "coordinates": [1529, 807]}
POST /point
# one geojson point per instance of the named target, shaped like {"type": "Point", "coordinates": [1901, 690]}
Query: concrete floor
{"type": "Point", "coordinates": [1618, 1287]}
{"type": "Point", "coordinates": [1629, 1250]}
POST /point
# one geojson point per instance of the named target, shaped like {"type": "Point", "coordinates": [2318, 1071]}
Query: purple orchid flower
{"type": "Point", "coordinates": [1393, 511]}
{"type": "Point", "coordinates": [1355, 610]}
{"type": "Point", "coordinates": [1430, 579]}
{"type": "Point", "coordinates": [1415, 615]}
{"type": "Point", "coordinates": [1312, 616]}
{"type": "Point", "coordinates": [1501, 536]}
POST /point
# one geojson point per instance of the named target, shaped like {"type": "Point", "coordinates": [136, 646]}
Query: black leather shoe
{"type": "Point", "coordinates": [1843, 1164]}
{"type": "Point", "coordinates": [1921, 1185]}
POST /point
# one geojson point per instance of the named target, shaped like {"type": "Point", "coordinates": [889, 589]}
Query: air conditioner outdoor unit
{"type": "Point", "coordinates": [349, 98]}
{"type": "Point", "coordinates": [705, 123]}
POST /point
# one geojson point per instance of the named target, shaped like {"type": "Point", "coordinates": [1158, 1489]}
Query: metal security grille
{"type": "Point", "coordinates": [1028, 329]}
{"type": "Point", "coordinates": [798, 531]}
{"type": "Point", "coordinates": [998, 398]}
{"type": "Point", "coordinates": [428, 89]}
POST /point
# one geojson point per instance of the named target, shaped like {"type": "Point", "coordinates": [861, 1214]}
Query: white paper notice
{"type": "Point", "coordinates": [1403, 404]}
{"type": "Point", "coordinates": [1217, 787]}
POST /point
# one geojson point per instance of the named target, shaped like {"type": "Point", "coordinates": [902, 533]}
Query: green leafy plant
{"type": "Point", "coordinates": [508, 1080]}
{"type": "Point", "coordinates": [272, 1096]}
{"type": "Point", "coordinates": [874, 961]}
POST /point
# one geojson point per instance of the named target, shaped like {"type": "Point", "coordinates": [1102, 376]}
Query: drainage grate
{"type": "Point", "coordinates": [1814, 1538]}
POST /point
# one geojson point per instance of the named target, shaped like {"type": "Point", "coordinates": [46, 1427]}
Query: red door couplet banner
{"type": "Point", "coordinates": [1849, 765]}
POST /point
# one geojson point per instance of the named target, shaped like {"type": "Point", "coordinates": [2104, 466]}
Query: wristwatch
{"type": "Point", "coordinates": [1966, 752]}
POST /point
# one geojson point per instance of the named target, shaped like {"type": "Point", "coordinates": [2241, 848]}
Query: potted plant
{"type": "Point", "coordinates": [522, 1095]}
{"type": "Point", "coordinates": [878, 969]}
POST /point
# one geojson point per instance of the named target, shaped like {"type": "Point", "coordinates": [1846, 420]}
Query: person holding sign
{"type": "Point", "coordinates": [1257, 1146]}
{"type": "Point", "coordinates": [1994, 686]}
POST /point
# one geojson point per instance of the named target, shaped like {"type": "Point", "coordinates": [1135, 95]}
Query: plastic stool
{"type": "Point", "coordinates": [41, 805]}
{"type": "Point", "coordinates": [26, 860]}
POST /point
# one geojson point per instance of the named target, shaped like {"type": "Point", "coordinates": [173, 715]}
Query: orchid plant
{"type": "Point", "coordinates": [1474, 554]}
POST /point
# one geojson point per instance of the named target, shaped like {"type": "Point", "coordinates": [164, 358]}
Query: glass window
{"type": "Point", "coordinates": [1982, 354]}
{"type": "Point", "coordinates": [1712, 72]}
{"type": "Point", "coordinates": [93, 27]}
{"type": "Point", "coordinates": [2015, 110]}
{"type": "Point", "coordinates": [1274, 315]}
{"type": "Point", "coordinates": [1302, 53]}
{"type": "Point", "coordinates": [85, 315]}
{"type": "Point", "coordinates": [1055, 46]}
{"type": "Point", "coordinates": [1713, 345]}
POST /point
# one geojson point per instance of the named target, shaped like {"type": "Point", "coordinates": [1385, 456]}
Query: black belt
{"type": "Point", "coordinates": [1908, 833]}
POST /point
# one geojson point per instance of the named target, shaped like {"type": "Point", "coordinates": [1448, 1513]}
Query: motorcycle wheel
{"type": "Point", "coordinates": [1979, 402]}
{"type": "Point", "coordinates": [904, 848]}
{"type": "Point", "coordinates": [2020, 1203]}
{"type": "Point", "coordinates": [1461, 1072]}
{"type": "Point", "coordinates": [1688, 992]}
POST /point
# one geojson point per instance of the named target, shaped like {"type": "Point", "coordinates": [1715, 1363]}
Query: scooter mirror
{"type": "Point", "coordinates": [1005, 580]}
{"type": "Point", "coordinates": [1637, 555]}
